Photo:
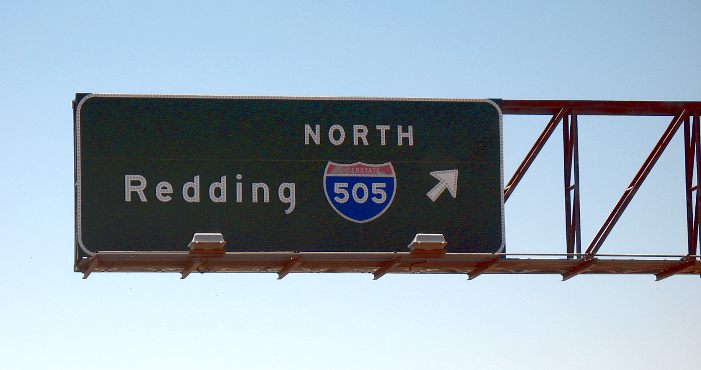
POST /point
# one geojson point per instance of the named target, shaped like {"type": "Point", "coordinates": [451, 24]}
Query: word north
{"type": "Point", "coordinates": [135, 187]}
{"type": "Point", "coordinates": [358, 135]}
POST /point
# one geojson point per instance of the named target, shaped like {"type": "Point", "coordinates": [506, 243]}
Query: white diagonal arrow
{"type": "Point", "coordinates": [447, 179]}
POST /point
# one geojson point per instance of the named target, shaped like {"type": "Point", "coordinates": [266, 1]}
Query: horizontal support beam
{"type": "Point", "coordinates": [598, 107]}
{"type": "Point", "coordinates": [346, 262]}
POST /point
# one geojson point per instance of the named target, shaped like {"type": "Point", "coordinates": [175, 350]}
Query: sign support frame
{"type": "Point", "coordinates": [566, 264]}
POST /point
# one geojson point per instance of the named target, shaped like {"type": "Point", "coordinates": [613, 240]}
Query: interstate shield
{"type": "Point", "coordinates": [360, 192]}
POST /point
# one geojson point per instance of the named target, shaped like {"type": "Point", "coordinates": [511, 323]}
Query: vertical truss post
{"type": "Point", "coordinates": [639, 178]}
{"type": "Point", "coordinates": [571, 169]}
{"type": "Point", "coordinates": [692, 156]}
{"type": "Point", "coordinates": [576, 214]}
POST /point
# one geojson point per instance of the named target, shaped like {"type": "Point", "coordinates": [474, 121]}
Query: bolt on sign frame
{"type": "Point", "coordinates": [574, 261]}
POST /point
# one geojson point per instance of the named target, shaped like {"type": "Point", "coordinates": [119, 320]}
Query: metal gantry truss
{"type": "Point", "coordinates": [567, 112]}
{"type": "Point", "coordinates": [568, 264]}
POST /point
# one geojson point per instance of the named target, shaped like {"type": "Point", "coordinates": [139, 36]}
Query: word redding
{"type": "Point", "coordinates": [135, 185]}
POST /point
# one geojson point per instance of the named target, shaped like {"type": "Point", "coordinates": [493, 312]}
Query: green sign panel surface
{"type": "Point", "coordinates": [286, 174]}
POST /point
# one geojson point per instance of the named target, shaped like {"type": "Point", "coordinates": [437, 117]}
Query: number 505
{"type": "Point", "coordinates": [360, 192]}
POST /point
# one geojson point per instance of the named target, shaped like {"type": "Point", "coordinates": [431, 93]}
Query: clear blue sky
{"type": "Point", "coordinates": [623, 50]}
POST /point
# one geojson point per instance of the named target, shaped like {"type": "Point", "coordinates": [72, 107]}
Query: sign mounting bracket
{"type": "Point", "coordinates": [293, 263]}
{"type": "Point", "coordinates": [387, 267]}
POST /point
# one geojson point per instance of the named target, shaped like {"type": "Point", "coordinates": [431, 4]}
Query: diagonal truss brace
{"type": "Point", "coordinates": [571, 173]}
{"type": "Point", "coordinates": [533, 153]}
{"type": "Point", "coordinates": [639, 178]}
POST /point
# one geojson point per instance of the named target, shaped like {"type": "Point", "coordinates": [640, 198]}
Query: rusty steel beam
{"type": "Point", "coordinates": [532, 154]}
{"type": "Point", "coordinates": [598, 107]}
{"type": "Point", "coordinates": [639, 178]}
{"type": "Point", "coordinates": [383, 263]}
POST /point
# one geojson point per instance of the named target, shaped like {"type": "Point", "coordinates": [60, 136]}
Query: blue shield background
{"type": "Point", "coordinates": [352, 210]}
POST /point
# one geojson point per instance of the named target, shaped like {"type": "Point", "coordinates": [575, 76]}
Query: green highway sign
{"type": "Point", "coordinates": [286, 174]}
